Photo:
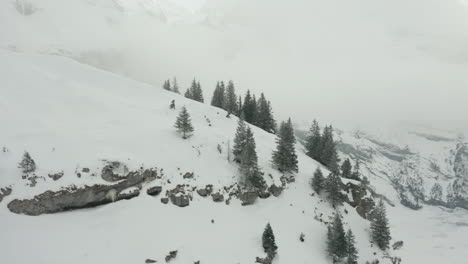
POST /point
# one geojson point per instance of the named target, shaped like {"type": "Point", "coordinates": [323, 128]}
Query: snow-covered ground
{"type": "Point", "coordinates": [71, 116]}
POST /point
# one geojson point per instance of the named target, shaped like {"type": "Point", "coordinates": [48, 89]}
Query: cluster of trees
{"type": "Point", "coordinates": [245, 154]}
{"type": "Point", "coordinates": [173, 87]}
{"type": "Point", "coordinates": [341, 246]}
{"type": "Point", "coordinates": [332, 185]}
{"type": "Point", "coordinates": [195, 92]}
{"type": "Point", "coordinates": [321, 146]}
{"type": "Point", "coordinates": [256, 112]}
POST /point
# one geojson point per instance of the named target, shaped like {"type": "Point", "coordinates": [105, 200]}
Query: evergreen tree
{"type": "Point", "coordinates": [436, 192]}
{"type": "Point", "coordinates": [230, 99]}
{"type": "Point", "coordinates": [285, 158]}
{"type": "Point", "coordinates": [346, 169]}
{"type": "Point", "coordinates": [184, 123]}
{"type": "Point", "coordinates": [264, 117]}
{"type": "Point", "coordinates": [379, 227]}
{"type": "Point", "coordinates": [167, 85]}
{"type": "Point", "coordinates": [333, 187]}
{"type": "Point", "coordinates": [268, 240]}
{"type": "Point", "coordinates": [356, 175]}
{"type": "Point", "coordinates": [239, 139]}
{"type": "Point", "coordinates": [318, 181]}
{"type": "Point", "coordinates": [329, 156]}
{"type": "Point", "coordinates": [336, 240]}
{"type": "Point", "coordinates": [249, 163]}
{"type": "Point", "coordinates": [351, 251]}
{"type": "Point", "coordinates": [240, 109]}
{"type": "Point", "coordinates": [218, 96]}
{"type": "Point", "coordinates": [313, 144]}
{"type": "Point", "coordinates": [249, 108]}
{"type": "Point", "coordinates": [195, 92]}
{"type": "Point", "coordinates": [27, 164]}
{"type": "Point", "coordinates": [175, 86]}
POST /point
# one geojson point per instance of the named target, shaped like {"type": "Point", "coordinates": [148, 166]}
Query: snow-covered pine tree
{"type": "Point", "coordinates": [230, 99]}
{"type": "Point", "coordinates": [333, 187]}
{"type": "Point", "coordinates": [167, 85]}
{"type": "Point", "coordinates": [313, 142]}
{"type": "Point", "coordinates": [318, 181]}
{"type": "Point", "coordinates": [175, 86]}
{"type": "Point", "coordinates": [268, 240]}
{"type": "Point", "coordinates": [285, 157]}
{"type": "Point", "coordinates": [184, 123]}
{"type": "Point", "coordinates": [351, 251]}
{"type": "Point", "coordinates": [336, 240]}
{"type": "Point", "coordinates": [27, 164]}
{"type": "Point", "coordinates": [239, 139]}
{"type": "Point", "coordinates": [249, 163]}
{"type": "Point", "coordinates": [346, 169]}
{"type": "Point", "coordinates": [436, 192]}
{"type": "Point", "coordinates": [380, 228]}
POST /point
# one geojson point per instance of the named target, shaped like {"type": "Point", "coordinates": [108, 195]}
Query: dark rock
{"type": "Point", "coordinates": [74, 198]}
{"type": "Point", "coordinates": [4, 192]}
{"type": "Point", "coordinates": [150, 261]}
{"type": "Point", "coordinates": [151, 173]}
{"type": "Point", "coordinates": [264, 195]}
{"type": "Point", "coordinates": [205, 191]}
{"type": "Point", "coordinates": [78, 175]}
{"type": "Point", "coordinates": [154, 191]}
{"type": "Point", "coordinates": [196, 262]}
{"type": "Point", "coordinates": [128, 195]}
{"type": "Point", "coordinates": [397, 245]}
{"type": "Point", "coordinates": [248, 198]}
{"type": "Point", "coordinates": [85, 170]}
{"type": "Point", "coordinates": [56, 176]}
{"type": "Point", "coordinates": [302, 237]}
{"type": "Point", "coordinates": [180, 200]}
{"type": "Point", "coordinates": [188, 175]}
{"type": "Point", "coordinates": [164, 200]}
{"type": "Point", "coordinates": [108, 172]}
{"type": "Point", "coordinates": [172, 255]}
{"type": "Point", "coordinates": [275, 190]}
{"type": "Point", "coordinates": [217, 197]}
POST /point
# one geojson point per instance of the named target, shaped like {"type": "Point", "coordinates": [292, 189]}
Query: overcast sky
{"type": "Point", "coordinates": [347, 62]}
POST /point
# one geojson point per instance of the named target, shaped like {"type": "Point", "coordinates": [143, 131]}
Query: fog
{"type": "Point", "coordinates": [359, 62]}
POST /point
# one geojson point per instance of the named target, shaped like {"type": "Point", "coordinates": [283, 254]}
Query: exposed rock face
{"type": "Point", "coordinates": [70, 199]}
{"type": "Point", "coordinates": [154, 191]}
{"type": "Point", "coordinates": [248, 198]}
{"type": "Point", "coordinates": [275, 190]}
{"type": "Point", "coordinates": [114, 171]}
{"type": "Point", "coordinates": [128, 195]}
{"type": "Point", "coordinates": [4, 192]}
{"type": "Point", "coordinates": [56, 176]}
{"type": "Point", "coordinates": [180, 200]}
{"type": "Point", "coordinates": [217, 197]}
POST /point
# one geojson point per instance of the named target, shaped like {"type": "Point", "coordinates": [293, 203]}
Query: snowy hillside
{"type": "Point", "coordinates": [70, 117]}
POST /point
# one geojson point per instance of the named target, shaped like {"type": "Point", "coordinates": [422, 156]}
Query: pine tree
{"type": "Point", "coordinates": [268, 240]}
{"type": "Point", "coordinates": [336, 240]}
{"type": "Point", "coordinates": [379, 227]}
{"type": "Point", "coordinates": [167, 85]}
{"type": "Point", "coordinates": [313, 144]}
{"type": "Point", "coordinates": [175, 86]}
{"type": "Point", "coordinates": [199, 93]}
{"type": "Point", "coordinates": [318, 181]}
{"type": "Point", "coordinates": [346, 169]}
{"type": "Point", "coordinates": [333, 187]}
{"type": "Point", "coordinates": [240, 110]}
{"type": "Point", "coordinates": [195, 92]}
{"type": "Point", "coordinates": [351, 251]}
{"type": "Point", "coordinates": [218, 96]}
{"type": "Point", "coordinates": [329, 155]}
{"type": "Point", "coordinates": [285, 158]}
{"type": "Point", "coordinates": [264, 116]}
{"type": "Point", "coordinates": [436, 192]}
{"type": "Point", "coordinates": [27, 164]}
{"type": "Point", "coordinates": [239, 139]}
{"type": "Point", "coordinates": [249, 108]}
{"type": "Point", "coordinates": [184, 123]}
{"type": "Point", "coordinates": [356, 175]}
{"type": "Point", "coordinates": [230, 99]}
{"type": "Point", "coordinates": [249, 163]}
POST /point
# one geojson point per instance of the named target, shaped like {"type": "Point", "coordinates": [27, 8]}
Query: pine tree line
{"type": "Point", "coordinates": [174, 87]}
{"type": "Point", "coordinates": [195, 92]}
{"type": "Point", "coordinates": [322, 147]}
{"type": "Point", "coordinates": [340, 245]}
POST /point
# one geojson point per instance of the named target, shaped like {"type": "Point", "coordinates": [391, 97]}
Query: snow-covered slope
{"type": "Point", "coordinates": [70, 116]}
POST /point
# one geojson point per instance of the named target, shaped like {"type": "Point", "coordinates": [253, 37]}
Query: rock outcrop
{"type": "Point", "coordinates": [248, 198]}
{"type": "Point", "coordinates": [154, 191]}
{"type": "Point", "coordinates": [275, 190]}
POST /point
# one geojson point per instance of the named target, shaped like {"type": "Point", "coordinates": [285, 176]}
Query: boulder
{"type": "Point", "coordinates": [397, 245]}
{"type": "Point", "coordinates": [164, 200]}
{"type": "Point", "coordinates": [113, 171]}
{"type": "Point", "coordinates": [128, 194]}
{"type": "Point", "coordinates": [56, 176]}
{"type": "Point", "coordinates": [172, 255]}
{"type": "Point", "coordinates": [188, 175]}
{"type": "Point", "coordinates": [85, 170]}
{"type": "Point", "coordinates": [180, 200]}
{"type": "Point", "coordinates": [4, 192]}
{"type": "Point", "coordinates": [217, 197]}
{"type": "Point", "coordinates": [150, 261]}
{"type": "Point", "coordinates": [275, 190]}
{"type": "Point", "coordinates": [205, 191]}
{"type": "Point", "coordinates": [154, 191]}
{"type": "Point", "coordinates": [248, 198]}
{"type": "Point", "coordinates": [264, 195]}
{"type": "Point", "coordinates": [75, 198]}
{"type": "Point", "coordinates": [150, 173]}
